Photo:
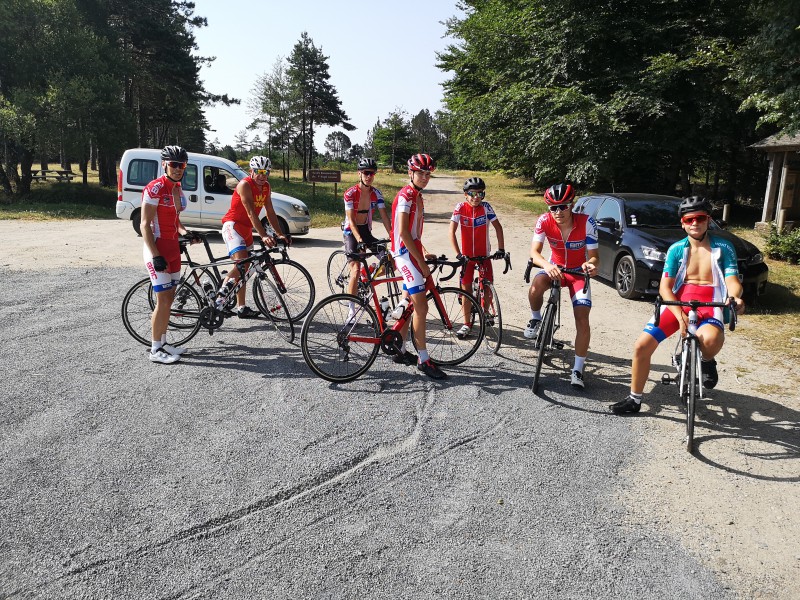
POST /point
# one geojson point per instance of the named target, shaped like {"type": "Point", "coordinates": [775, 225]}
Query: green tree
{"type": "Point", "coordinates": [392, 140]}
{"type": "Point", "coordinates": [338, 144]}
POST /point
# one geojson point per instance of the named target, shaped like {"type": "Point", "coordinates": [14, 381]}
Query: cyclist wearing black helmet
{"type": "Point", "coordinates": [573, 244]}
{"type": "Point", "coordinates": [162, 202]}
{"type": "Point", "coordinates": [701, 267]}
{"type": "Point", "coordinates": [360, 202]}
{"type": "Point", "coordinates": [473, 215]}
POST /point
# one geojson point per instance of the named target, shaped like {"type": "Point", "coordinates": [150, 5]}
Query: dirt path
{"type": "Point", "coordinates": [733, 504]}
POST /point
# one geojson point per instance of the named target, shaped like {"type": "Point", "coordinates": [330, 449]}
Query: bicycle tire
{"type": "Point", "coordinates": [545, 338]}
{"type": "Point", "coordinates": [273, 306]}
{"type": "Point", "coordinates": [327, 350]}
{"type": "Point", "coordinates": [492, 314]}
{"type": "Point", "coordinates": [694, 383]}
{"type": "Point", "coordinates": [444, 346]}
{"type": "Point", "coordinates": [338, 271]}
{"type": "Point", "coordinates": [295, 284]}
{"type": "Point", "coordinates": [137, 310]}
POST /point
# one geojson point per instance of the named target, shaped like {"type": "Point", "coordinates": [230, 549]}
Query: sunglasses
{"type": "Point", "coordinates": [472, 194]}
{"type": "Point", "coordinates": [176, 165]}
{"type": "Point", "coordinates": [261, 171]}
{"type": "Point", "coordinates": [368, 173]}
{"type": "Point", "coordinates": [559, 208]}
{"type": "Point", "coordinates": [692, 219]}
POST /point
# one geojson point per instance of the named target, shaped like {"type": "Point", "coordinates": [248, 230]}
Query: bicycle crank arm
{"type": "Point", "coordinates": [666, 379]}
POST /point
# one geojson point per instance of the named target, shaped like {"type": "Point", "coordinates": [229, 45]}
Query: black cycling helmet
{"type": "Point", "coordinates": [176, 153]}
{"type": "Point", "coordinates": [367, 164]}
{"type": "Point", "coordinates": [694, 204]}
{"type": "Point", "coordinates": [561, 193]}
{"type": "Point", "coordinates": [474, 183]}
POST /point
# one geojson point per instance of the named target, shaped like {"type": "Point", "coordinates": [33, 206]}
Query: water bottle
{"type": "Point", "coordinates": [384, 305]}
{"type": "Point", "coordinates": [401, 308]}
{"type": "Point", "coordinates": [223, 291]}
{"type": "Point", "coordinates": [475, 287]}
{"type": "Point", "coordinates": [208, 288]}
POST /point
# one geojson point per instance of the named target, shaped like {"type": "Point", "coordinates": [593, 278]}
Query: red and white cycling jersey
{"type": "Point", "coordinates": [569, 253]}
{"type": "Point", "coordinates": [408, 200]}
{"type": "Point", "coordinates": [474, 222]}
{"type": "Point", "coordinates": [237, 213]}
{"type": "Point", "coordinates": [352, 197]}
{"type": "Point", "coordinates": [162, 193]}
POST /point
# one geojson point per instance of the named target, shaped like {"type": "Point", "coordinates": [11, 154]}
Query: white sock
{"type": "Point", "coordinates": [423, 356]}
{"type": "Point", "coordinates": [636, 398]}
{"type": "Point", "coordinates": [580, 361]}
{"type": "Point", "coordinates": [536, 315]}
{"type": "Point", "coordinates": [156, 345]}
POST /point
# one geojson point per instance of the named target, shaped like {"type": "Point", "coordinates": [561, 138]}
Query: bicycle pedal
{"type": "Point", "coordinates": [558, 345]}
{"type": "Point", "coordinates": [666, 379]}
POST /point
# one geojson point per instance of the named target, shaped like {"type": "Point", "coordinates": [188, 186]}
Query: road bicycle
{"type": "Point", "coordinates": [486, 295]}
{"type": "Point", "coordinates": [339, 272]}
{"type": "Point", "coordinates": [201, 302]}
{"type": "Point", "coordinates": [342, 335]}
{"type": "Point", "coordinates": [551, 319]}
{"type": "Point", "coordinates": [687, 362]}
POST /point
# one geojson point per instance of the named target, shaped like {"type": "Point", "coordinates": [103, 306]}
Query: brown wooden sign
{"type": "Point", "coordinates": [323, 176]}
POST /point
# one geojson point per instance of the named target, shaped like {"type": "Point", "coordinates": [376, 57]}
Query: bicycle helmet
{"type": "Point", "coordinates": [421, 162]}
{"type": "Point", "coordinates": [174, 153]}
{"type": "Point", "coordinates": [260, 162]}
{"type": "Point", "coordinates": [694, 204]}
{"type": "Point", "coordinates": [474, 183]}
{"type": "Point", "coordinates": [561, 193]}
{"type": "Point", "coordinates": [367, 164]}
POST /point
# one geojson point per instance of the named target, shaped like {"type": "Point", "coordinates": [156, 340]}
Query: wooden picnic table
{"type": "Point", "coordinates": [55, 174]}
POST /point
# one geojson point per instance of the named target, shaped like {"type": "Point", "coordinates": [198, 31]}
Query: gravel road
{"type": "Point", "coordinates": [239, 474]}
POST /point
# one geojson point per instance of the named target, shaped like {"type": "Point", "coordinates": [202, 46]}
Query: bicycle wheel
{"type": "Point", "coordinates": [443, 344]}
{"type": "Point", "coordinates": [295, 285]}
{"type": "Point", "coordinates": [273, 306]}
{"type": "Point", "coordinates": [334, 348]}
{"type": "Point", "coordinates": [545, 338]}
{"type": "Point", "coordinates": [493, 317]}
{"type": "Point", "coordinates": [184, 322]}
{"type": "Point", "coordinates": [693, 384]}
{"type": "Point", "coordinates": [338, 272]}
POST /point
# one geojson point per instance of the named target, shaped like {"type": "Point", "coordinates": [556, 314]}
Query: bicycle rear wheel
{"type": "Point", "coordinates": [332, 345]}
{"type": "Point", "coordinates": [444, 346]}
{"type": "Point", "coordinates": [544, 339]}
{"type": "Point", "coordinates": [493, 317]}
{"type": "Point", "coordinates": [338, 272]}
{"type": "Point", "coordinates": [184, 319]}
{"type": "Point", "coordinates": [294, 283]}
{"type": "Point", "coordinates": [273, 306]}
{"type": "Point", "coordinates": [693, 385]}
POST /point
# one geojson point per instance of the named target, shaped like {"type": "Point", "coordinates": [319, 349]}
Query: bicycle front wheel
{"type": "Point", "coordinates": [493, 316]}
{"type": "Point", "coordinates": [184, 319]}
{"type": "Point", "coordinates": [273, 306]}
{"type": "Point", "coordinates": [338, 272]}
{"type": "Point", "coordinates": [694, 388]}
{"type": "Point", "coordinates": [441, 324]}
{"type": "Point", "coordinates": [544, 339]}
{"type": "Point", "coordinates": [294, 283]}
{"type": "Point", "coordinates": [334, 346]}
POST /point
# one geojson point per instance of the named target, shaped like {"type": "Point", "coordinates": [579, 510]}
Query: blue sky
{"type": "Point", "coordinates": [381, 56]}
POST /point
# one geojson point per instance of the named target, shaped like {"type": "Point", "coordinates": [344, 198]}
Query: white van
{"type": "Point", "coordinates": [208, 185]}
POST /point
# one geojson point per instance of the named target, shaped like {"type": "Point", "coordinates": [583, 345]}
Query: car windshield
{"type": "Point", "coordinates": [653, 213]}
{"type": "Point", "coordinates": [239, 174]}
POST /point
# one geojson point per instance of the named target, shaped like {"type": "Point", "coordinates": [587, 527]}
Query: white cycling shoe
{"type": "Point", "coordinates": [163, 357]}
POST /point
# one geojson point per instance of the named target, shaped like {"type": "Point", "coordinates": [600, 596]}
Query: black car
{"type": "Point", "coordinates": [634, 232]}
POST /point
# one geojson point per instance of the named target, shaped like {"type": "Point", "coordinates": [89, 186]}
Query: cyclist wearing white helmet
{"type": "Point", "coordinates": [251, 195]}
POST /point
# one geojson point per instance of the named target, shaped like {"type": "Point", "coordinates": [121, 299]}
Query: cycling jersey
{"type": "Point", "coordinates": [408, 200]}
{"type": "Point", "coordinates": [474, 222]}
{"type": "Point", "coordinates": [706, 315]}
{"type": "Point", "coordinates": [161, 194]}
{"type": "Point", "coordinates": [569, 253]}
{"type": "Point", "coordinates": [237, 213]}
{"type": "Point", "coordinates": [351, 202]}
{"type": "Point", "coordinates": [723, 264]}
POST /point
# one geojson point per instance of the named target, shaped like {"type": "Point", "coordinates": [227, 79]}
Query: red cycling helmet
{"type": "Point", "coordinates": [421, 162]}
{"type": "Point", "coordinates": [561, 193]}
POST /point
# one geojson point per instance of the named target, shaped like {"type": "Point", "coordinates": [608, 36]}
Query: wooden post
{"type": "Point", "coordinates": [726, 212]}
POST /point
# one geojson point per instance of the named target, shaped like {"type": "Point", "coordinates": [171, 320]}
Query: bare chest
{"type": "Point", "coordinates": [698, 269]}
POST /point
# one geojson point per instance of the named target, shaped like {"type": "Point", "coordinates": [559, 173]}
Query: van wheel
{"type": "Point", "coordinates": [136, 221]}
{"type": "Point", "coordinates": [281, 223]}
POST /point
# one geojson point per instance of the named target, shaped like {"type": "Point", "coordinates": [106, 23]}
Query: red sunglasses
{"type": "Point", "coordinates": [177, 165]}
{"type": "Point", "coordinates": [692, 219]}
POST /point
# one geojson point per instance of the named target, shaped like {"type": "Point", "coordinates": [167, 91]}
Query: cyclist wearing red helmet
{"type": "Point", "coordinates": [573, 243]}
{"type": "Point", "coordinates": [407, 219]}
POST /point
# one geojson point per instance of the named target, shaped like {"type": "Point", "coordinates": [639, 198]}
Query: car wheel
{"type": "Point", "coordinates": [625, 277]}
{"type": "Point", "coordinates": [136, 221]}
{"type": "Point", "coordinates": [281, 223]}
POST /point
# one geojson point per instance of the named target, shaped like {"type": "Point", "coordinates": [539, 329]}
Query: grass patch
{"type": "Point", "coordinates": [57, 201]}
{"type": "Point", "coordinates": [502, 190]}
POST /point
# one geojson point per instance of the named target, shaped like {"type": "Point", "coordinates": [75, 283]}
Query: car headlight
{"type": "Point", "coordinates": [756, 259]}
{"type": "Point", "coordinates": [299, 209]}
{"type": "Point", "coordinates": [654, 253]}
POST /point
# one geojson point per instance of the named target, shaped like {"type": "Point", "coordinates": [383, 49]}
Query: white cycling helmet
{"type": "Point", "coordinates": [260, 162]}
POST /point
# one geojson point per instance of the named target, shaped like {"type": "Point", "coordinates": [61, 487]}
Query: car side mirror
{"type": "Point", "coordinates": [608, 223]}
{"type": "Point", "coordinates": [722, 224]}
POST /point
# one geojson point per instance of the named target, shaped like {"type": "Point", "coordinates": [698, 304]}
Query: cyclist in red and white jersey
{"type": "Point", "coordinates": [162, 201]}
{"type": "Point", "coordinates": [360, 203]}
{"type": "Point", "coordinates": [408, 213]}
{"type": "Point", "coordinates": [473, 215]}
{"type": "Point", "coordinates": [251, 195]}
{"type": "Point", "coordinates": [573, 244]}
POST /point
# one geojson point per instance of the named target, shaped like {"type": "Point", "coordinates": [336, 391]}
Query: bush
{"type": "Point", "coordinates": [783, 246]}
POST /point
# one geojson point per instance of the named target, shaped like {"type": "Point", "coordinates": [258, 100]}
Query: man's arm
{"type": "Point", "coordinates": [540, 261]}
{"type": "Point", "coordinates": [590, 266]}
{"type": "Point", "coordinates": [404, 222]}
{"type": "Point", "coordinates": [148, 216]}
{"type": "Point", "coordinates": [453, 239]}
{"type": "Point", "coordinates": [385, 219]}
{"type": "Point", "coordinates": [498, 230]}
{"type": "Point", "coordinates": [735, 291]}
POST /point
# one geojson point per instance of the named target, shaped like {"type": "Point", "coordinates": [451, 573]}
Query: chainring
{"type": "Point", "coordinates": [211, 318]}
{"type": "Point", "coordinates": [391, 342]}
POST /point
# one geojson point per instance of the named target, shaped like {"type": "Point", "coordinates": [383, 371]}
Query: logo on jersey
{"type": "Point", "coordinates": [575, 245]}
{"type": "Point", "coordinates": [479, 222]}
{"type": "Point", "coordinates": [407, 275]}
